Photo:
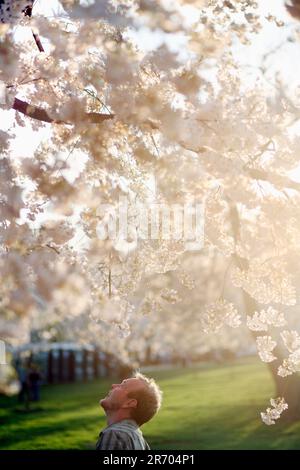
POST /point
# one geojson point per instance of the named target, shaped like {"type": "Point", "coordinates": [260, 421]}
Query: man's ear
{"type": "Point", "coordinates": [130, 403]}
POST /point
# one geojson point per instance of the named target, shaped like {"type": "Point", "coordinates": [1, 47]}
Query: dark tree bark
{"type": "Point", "coordinates": [38, 42]}
{"type": "Point", "coordinates": [50, 367]}
{"type": "Point", "coordinates": [71, 366]}
{"type": "Point", "coordinates": [84, 365]}
{"type": "Point", "coordinates": [287, 387]}
{"type": "Point", "coordinates": [41, 115]}
{"type": "Point", "coordinates": [60, 366]}
{"type": "Point", "coordinates": [294, 8]}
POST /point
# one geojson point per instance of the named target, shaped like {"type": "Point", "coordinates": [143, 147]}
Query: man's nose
{"type": "Point", "coordinates": [114, 385]}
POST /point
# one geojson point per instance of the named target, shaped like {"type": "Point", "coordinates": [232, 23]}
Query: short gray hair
{"type": "Point", "coordinates": [148, 398]}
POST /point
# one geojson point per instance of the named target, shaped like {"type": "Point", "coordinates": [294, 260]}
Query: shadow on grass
{"type": "Point", "coordinates": [52, 421]}
{"type": "Point", "coordinates": [58, 398]}
{"type": "Point", "coordinates": [45, 430]}
{"type": "Point", "coordinates": [238, 427]}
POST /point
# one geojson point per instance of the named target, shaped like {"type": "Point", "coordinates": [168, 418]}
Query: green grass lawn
{"type": "Point", "coordinates": [205, 407]}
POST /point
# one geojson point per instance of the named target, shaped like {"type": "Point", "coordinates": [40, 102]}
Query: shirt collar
{"type": "Point", "coordinates": [128, 422]}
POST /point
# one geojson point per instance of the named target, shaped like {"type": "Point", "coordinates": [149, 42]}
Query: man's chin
{"type": "Point", "coordinates": [104, 403]}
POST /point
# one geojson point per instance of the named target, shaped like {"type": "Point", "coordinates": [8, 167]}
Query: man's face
{"type": "Point", "coordinates": [118, 395]}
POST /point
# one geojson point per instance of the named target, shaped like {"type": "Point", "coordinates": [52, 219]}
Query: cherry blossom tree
{"type": "Point", "coordinates": [119, 117]}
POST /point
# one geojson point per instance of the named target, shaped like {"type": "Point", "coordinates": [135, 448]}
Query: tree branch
{"type": "Point", "coordinates": [41, 115]}
{"type": "Point", "coordinates": [294, 9]}
{"type": "Point", "coordinates": [278, 181]}
{"type": "Point", "coordinates": [38, 42]}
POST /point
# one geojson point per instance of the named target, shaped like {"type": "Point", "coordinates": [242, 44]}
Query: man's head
{"type": "Point", "coordinates": [137, 398]}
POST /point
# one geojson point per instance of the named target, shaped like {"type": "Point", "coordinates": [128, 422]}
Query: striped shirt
{"type": "Point", "coordinates": [124, 435]}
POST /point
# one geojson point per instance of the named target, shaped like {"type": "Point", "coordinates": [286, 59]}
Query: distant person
{"type": "Point", "coordinates": [22, 372]}
{"type": "Point", "coordinates": [128, 406]}
{"type": "Point", "coordinates": [34, 380]}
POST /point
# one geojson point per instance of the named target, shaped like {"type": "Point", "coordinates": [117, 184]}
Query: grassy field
{"type": "Point", "coordinates": [205, 407]}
